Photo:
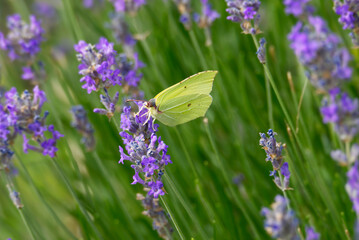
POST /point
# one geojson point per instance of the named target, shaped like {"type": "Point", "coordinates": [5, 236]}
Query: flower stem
{"type": "Point", "coordinates": [48, 206]}
{"type": "Point", "coordinates": [10, 185]}
{"type": "Point", "coordinates": [83, 210]}
{"type": "Point", "coordinates": [198, 49]}
{"type": "Point", "coordinates": [172, 218]}
{"type": "Point", "coordinates": [221, 166]}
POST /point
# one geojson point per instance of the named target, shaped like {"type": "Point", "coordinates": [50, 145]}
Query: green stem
{"type": "Point", "coordinates": [31, 181]}
{"type": "Point", "coordinates": [198, 49]}
{"type": "Point", "coordinates": [112, 188]}
{"type": "Point", "coordinates": [221, 166]}
{"type": "Point", "coordinates": [10, 185]}
{"type": "Point", "coordinates": [172, 218]}
{"type": "Point", "coordinates": [280, 100]}
{"type": "Point", "coordinates": [269, 95]}
{"type": "Point", "coordinates": [83, 210]}
{"type": "Point", "coordinates": [284, 191]}
{"type": "Point", "coordinates": [184, 204]}
{"type": "Point", "coordinates": [300, 105]}
{"type": "Point", "coordinates": [74, 24]}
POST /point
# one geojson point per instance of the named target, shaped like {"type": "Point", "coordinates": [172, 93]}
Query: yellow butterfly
{"type": "Point", "coordinates": [184, 101]}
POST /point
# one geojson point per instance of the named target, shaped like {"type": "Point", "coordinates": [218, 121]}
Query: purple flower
{"type": "Point", "coordinates": [23, 39]}
{"type": "Point", "coordinates": [87, 3]}
{"type": "Point", "coordinates": [102, 68]}
{"type": "Point", "coordinates": [261, 52]}
{"type": "Point", "coordinates": [83, 126]}
{"type": "Point", "coordinates": [109, 104]}
{"type": "Point", "coordinates": [121, 32]}
{"type": "Point", "coordinates": [274, 150]}
{"type": "Point", "coordinates": [207, 16]}
{"type": "Point", "coordinates": [184, 8]}
{"type": "Point", "coordinates": [97, 65]}
{"type": "Point", "coordinates": [311, 234]}
{"type": "Point", "coordinates": [160, 219]}
{"type": "Point", "coordinates": [343, 112]}
{"type": "Point", "coordinates": [297, 7]}
{"type": "Point", "coordinates": [245, 12]}
{"type": "Point", "coordinates": [352, 186]}
{"type": "Point", "coordinates": [127, 6]}
{"type": "Point", "coordinates": [146, 151]}
{"type": "Point", "coordinates": [280, 223]}
{"type": "Point", "coordinates": [156, 189]}
{"type": "Point", "coordinates": [23, 113]}
{"type": "Point", "coordinates": [349, 18]}
{"type": "Point", "coordinates": [27, 73]}
{"type": "Point", "coordinates": [318, 50]}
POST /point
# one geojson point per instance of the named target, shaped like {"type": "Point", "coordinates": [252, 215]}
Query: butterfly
{"type": "Point", "coordinates": [182, 102]}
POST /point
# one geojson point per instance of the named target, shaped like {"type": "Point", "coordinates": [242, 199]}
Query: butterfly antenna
{"type": "Point", "coordinates": [135, 100]}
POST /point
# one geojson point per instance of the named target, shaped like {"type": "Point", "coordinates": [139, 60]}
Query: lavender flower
{"type": "Point", "coordinates": [349, 18]}
{"type": "Point", "coordinates": [343, 159]}
{"type": "Point", "coordinates": [280, 222]}
{"type": "Point", "coordinates": [318, 50]}
{"type": "Point", "coordinates": [15, 198]}
{"type": "Point", "coordinates": [98, 65]}
{"type": "Point", "coordinates": [146, 151]}
{"type": "Point", "coordinates": [274, 150]}
{"type": "Point", "coordinates": [297, 7]}
{"type": "Point", "coordinates": [127, 5]}
{"type": "Point", "coordinates": [207, 17]}
{"type": "Point", "coordinates": [82, 124]}
{"type": "Point", "coordinates": [35, 76]}
{"type": "Point", "coordinates": [343, 112]}
{"type": "Point", "coordinates": [23, 39]}
{"type": "Point", "coordinates": [23, 115]}
{"type": "Point", "coordinates": [102, 68]}
{"type": "Point", "coordinates": [158, 215]}
{"type": "Point", "coordinates": [245, 12]}
{"type": "Point", "coordinates": [311, 234]}
{"type": "Point", "coordinates": [87, 3]}
{"type": "Point", "coordinates": [120, 30]}
{"type": "Point", "coordinates": [184, 8]}
{"type": "Point", "coordinates": [261, 52]}
{"type": "Point", "coordinates": [109, 104]}
{"type": "Point", "coordinates": [352, 186]}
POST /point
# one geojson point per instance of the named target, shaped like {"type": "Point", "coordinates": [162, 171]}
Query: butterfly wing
{"type": "Point", "coordinates": [182, 109]}
{"type": "Point", "coordinates": [200, 83]}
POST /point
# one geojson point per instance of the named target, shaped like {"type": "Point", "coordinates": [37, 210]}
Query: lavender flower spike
{"type": "Point", "coordinates": [127, 5]}
{"type": "Point", "coordinates": [274, 150]}
{"type": "Point", "coordinates": [343, 112]}
{"type": "Point", "coordinates": [317, 48]}
{"type": "Point", "coordinates": [280, 223]}
{"type": "Point", "coordinates": [245, 12]}
{"type": "Point", "coordinates": [146, 151]}
{"type": "Point", "coordinates": [97, 65]}
{"type": "Point", "coordinates": [311, 234]}
{"type": "Point", "coordinates": [82, 124]}
{"type": "Point", "coordinates": [349, 18]}
{"type": "Point", "coordinates": [352, 186]}
{"type": "Point", "coordinates": [23, 39]}
{"type": "Point", "coordinates": [297, 7]}
{"type": "Point", "coordinates": [261, 52]}
{"type": "Point", "coordinates": [207, 16]}
{"type": "Point", "coordinates": [24, 118]}
{"type": "Point", "coordinates": [205, 19]}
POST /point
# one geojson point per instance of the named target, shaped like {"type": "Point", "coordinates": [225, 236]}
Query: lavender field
{"type": "Point", "coordinates": [96, 144]}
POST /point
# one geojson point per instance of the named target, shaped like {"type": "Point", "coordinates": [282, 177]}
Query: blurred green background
{"type": "Point", "coordinates": [201, 196]}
